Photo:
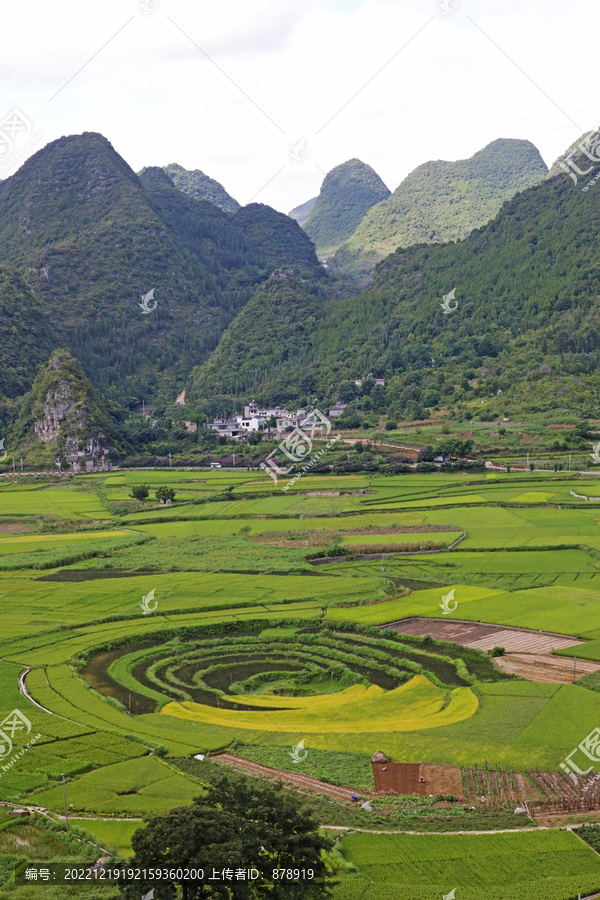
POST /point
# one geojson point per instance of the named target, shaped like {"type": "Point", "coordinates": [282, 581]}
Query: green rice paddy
{"type": "Point", "coordinates": [228, 566]}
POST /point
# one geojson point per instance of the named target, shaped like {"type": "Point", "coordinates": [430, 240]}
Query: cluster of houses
{"type": "Point", "coordinates": [238, 427]}
{"type": "Point", "coordinates": [272, 422]}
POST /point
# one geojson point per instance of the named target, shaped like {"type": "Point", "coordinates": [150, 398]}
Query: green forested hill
{"type": "Point", "coordinates": [299, 213]}
{"type": "Point", "coordinates": [200, 186]}
{"type": "Point", "coordinates": [527, 323]}
{"type": "Point", "coordinates": [27, 336]}
{"type": "Point", "coordinates": [91, 238]}
{"type": "Point", "coordinates": [347, 193]}
{"type": "Point", "coordinates": [272, 334]}
{"type": "Point", "coordinates": [279, 238]}
{"type": "Point", "coordinates": [442, 201]}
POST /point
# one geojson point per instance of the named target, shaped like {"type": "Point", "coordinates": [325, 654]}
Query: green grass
{"type": "Point", "coordinates": [138, 786]}
{"type": "Point", "coordinates": [29, 543]}
{"type": "Point", "coordinates": [535, 866]}
{"type": "Point", "coordinates": [111, 834]}
{"type": "Point", "coordinates": [64, 503]}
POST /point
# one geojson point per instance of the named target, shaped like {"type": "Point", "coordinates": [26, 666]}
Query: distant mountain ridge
{"type": "Point", "coordinates": [347, 193]}
{"type": "Point", "coordinates": [299, 213]}
{"type": "Point", "coordinates": [526, 324]}
{"type": "Point", "coordinates": [196, 184]}
{"type": "Point", "coordinates": [90, 238]}
{"type": "Point", "coordinates": [442, 201]}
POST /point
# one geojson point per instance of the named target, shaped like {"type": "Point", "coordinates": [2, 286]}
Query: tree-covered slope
{"type": "Point", "coordinates": [91, 238]}
{"type": "Point", "coordinates": [347, 193]}
{"type": "Point", "coordinates": [26, 335]}
{"type": "Point", "coordinates": [527, 323]}
{"type": "Point", "coordinates": [442, 201]}
{"type": "Point", "coordinates": [272, 334]}
{"type": "Point", "coordinates": [279, 238]}
{"type": "Point", "coordinates": [196, 184]}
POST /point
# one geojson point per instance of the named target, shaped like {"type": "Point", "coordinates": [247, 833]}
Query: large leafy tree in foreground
{"type": "Point", "coordinates": [239, 824]}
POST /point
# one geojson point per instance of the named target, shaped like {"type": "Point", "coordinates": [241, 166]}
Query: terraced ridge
{"type": "Point", "coordinates": [220, 671]}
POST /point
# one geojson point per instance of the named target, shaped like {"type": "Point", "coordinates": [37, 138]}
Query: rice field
{"type": "Point", "coordinates": [234, 574]}
{"type": "Point", "coordinates": [544, 866]}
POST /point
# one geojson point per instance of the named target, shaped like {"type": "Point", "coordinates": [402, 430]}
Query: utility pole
{"type": "Point", "coordinates": [569, 462]}
{"type": "Point", "coordinates": [14, 465]}
{"type": "Point", "coordinates": [169, 459]}
{"type": "Point", "coordinates": [528, 460]}
{"type": "Point", "coordinates": [65, 796]}
{"type": "Point", "coordinates": [234, 460]}
{"type": "Point", "coordinates": [143, 409]}
{"type": "Point", "coordinates": [348, 456]}
{"type": "Point", "coordinates": [574, 668]}
{"type": "Point", "coordinates": [21, 465]}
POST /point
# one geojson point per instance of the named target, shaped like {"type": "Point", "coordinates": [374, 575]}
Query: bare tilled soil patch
{"type": "Point", "coordinates": [541, 667]}
{"type": "Point", "coordinates": [528, 653]}
{"type": "Point", "coordinates": [484, 637]}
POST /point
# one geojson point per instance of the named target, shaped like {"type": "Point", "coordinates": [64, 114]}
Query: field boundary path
{"type": "Point", "coordinates": [305, 783]}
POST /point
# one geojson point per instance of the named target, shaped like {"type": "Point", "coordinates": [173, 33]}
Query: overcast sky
{"type": "Point", "coordinates": [232, 86]}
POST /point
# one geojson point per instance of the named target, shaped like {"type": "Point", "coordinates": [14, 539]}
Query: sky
{"type": "Point", "coordinates": [267, 96]}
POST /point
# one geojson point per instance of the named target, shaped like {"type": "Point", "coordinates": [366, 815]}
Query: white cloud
{"type": "Point", "coordinates": [279, 70]}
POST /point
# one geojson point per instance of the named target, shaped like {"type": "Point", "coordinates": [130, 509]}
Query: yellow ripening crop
{"type": "Point", "coordinates": [416, 705]}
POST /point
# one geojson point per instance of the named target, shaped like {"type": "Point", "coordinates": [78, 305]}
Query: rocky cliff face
{"type": "Point", "coordinates": [62, 412]}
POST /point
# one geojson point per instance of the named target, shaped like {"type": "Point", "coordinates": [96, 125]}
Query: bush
{"type": "Point", "coordinates": [140, 492]}
{"type": "Point", "coordinates": [498, 651]}
{"type": "Point", "coordinates": [390, 425]}
{"type": "Point", "coordinates": [426, 467]}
